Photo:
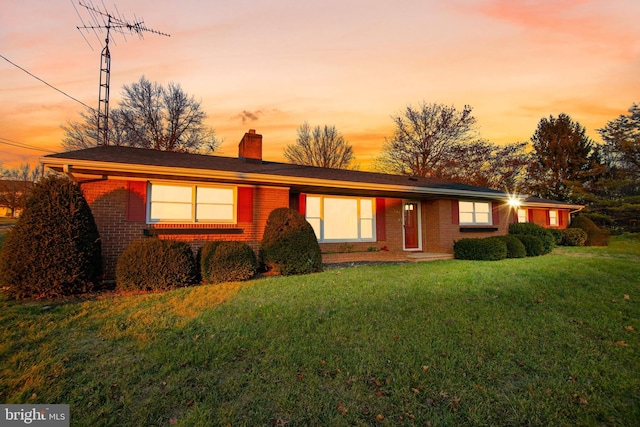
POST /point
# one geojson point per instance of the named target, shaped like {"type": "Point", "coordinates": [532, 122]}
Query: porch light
{"type": "Point", "coordinates": [514, 202]}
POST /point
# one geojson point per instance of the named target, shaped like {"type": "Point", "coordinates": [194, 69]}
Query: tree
{"type": "Point", "coordinates": [423, 139]}
{"type": "Point", "coordinates": [485, 164]}
{"type": "Point", "coordinates": [562, 158]}
{"type": "Point", "coordinates": [613, 197]}
{"type": "Point", "coordinates": [322, 147]}
{"type": "Point", "coordinates": [149, 116]}
{"type": "Point", "coordinates": [15, 188]}
{"type": "Point", "coordinates": [621, 138]}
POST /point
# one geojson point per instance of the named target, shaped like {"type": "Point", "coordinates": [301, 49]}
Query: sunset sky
{"type": "Point", "coordinates": [271, 65]}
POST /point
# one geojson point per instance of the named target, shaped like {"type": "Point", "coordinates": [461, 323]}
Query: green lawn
{"type": "Point", "coordinates": [541, 341]}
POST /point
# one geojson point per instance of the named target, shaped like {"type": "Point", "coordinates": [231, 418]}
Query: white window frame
{"type": "Point", "coordinates": [363, 221]}
{"type": "Point", "coordinates": [553, 220]}
{"type": "Point", "coordinates": [523, 215]}
{"type": "Point", "coordinates": [473, 212]}
{"type": "Point", "coordinates": [193, 204]}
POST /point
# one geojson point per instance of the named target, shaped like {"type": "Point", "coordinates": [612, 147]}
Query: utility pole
{"type": "Point", "coordinates": [101, 20]}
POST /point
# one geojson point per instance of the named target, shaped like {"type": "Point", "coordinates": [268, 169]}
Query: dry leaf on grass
{"type": "Point", "coordinates": [342, 409]}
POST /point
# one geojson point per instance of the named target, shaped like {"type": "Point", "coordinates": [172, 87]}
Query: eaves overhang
{"type": "Point", "coordinates": [116, 169]}
{"type": "Point", "coordinates": [558, 205]}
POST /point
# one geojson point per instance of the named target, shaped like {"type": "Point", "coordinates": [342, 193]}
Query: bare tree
{"type": "Point", "coordinates": [323, 147]}
{"type": "Point", "coordinates": [423, 139]}
{"type": "Point", "coordinates": [149, 116]}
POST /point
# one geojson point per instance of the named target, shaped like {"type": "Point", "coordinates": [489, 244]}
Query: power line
{"type": "Point", "coordinates": [22, 145]}
{"type": "Point", "coordinates": [51, 86]}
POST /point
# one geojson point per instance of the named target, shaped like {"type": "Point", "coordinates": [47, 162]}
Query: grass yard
{"type": "Point", "coordinates": [552, 340]}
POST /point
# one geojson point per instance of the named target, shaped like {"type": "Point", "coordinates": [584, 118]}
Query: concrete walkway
{"type": "Point", "coordinates": [382, 256]}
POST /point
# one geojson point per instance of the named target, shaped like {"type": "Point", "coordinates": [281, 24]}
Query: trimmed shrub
{"type": "Point", "coordinates": [544, 234]}
{"type": "Point", "coordinates": [515, 248]}
{"type": "Point", "coordinates": [595, 236]}
{"type": "Point", "coordinates": [54, 249]}
{"type": "Point", "coordinates": [487, 249]}
{"type": "Point", "coordinates": [155, 264]}
{"type": "Point", "coordinates": [289, 244]}
{"type": "Point", "coordinates": [557, 235]}
{"type": "Point", "coordinates": [532, 244]}
{"type": "Point", "coordinates": [574, 237]}
{"type": "Point", "coordinates": [204, 252]}
{"type": "Point", "coordinates": [227, 262]}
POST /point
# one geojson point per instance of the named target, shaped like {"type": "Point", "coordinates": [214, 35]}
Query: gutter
{"type": "Point", "coordinates": [111, 168]}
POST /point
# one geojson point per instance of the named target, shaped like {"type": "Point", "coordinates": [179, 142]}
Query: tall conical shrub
{"type": "Point", "coordinates": [54, 248]}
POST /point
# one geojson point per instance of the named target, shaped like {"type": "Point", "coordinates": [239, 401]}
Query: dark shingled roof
{"type": "Point", "coordinates": [540, 201]}
{"type": "Point", "coordinates": [138, 156]}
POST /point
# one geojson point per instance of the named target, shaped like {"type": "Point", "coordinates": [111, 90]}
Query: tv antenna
{"type": "Point", "coordinates": [101, 20]}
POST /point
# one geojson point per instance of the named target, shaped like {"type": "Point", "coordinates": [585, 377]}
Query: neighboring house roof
{"type": "Point", "coordinates": [533, 202]}
{"type": "Point", "coordinates": [143, 163]}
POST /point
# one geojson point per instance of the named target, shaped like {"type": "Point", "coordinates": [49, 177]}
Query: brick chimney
{"type": "Point", "coordinates": [250, 148]}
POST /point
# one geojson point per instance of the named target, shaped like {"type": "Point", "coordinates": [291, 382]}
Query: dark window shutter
{"type": "Point", "coordinates": [547, 219]}
{"type": "Point", "coordinates": [562, 219]}
{"type": "Point", "coordinates": [381, 219]}
{"type": "Point", "coordinates": [455, 212]}
{"type": "Point", "coordinates": [245, 204]}
{"type": "Point", "coordinates": [136, 201]}
{"type": "Point", "coordinates": [495, 213]}
{"type": "Point", "coordinates": [529, 215]}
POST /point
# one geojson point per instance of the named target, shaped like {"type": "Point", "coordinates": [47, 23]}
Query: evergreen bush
{"type": "Point", "coordinates": [595, 236]}
{"type": "Point", "coordinates": [515, 248]}
{"type": "Point", "coordinates": [532, 244]}
{"type": "Point", "coordinates": [54, 249]}
{"type": "Point", "coordinates": [487, 249]}
{"type": "Point", "coordinates": [289, 244]}
{"type": "Point", "coordinates": [574, 237]}
{"type": "Point", "coordinates": [155, 264]}
{"type": "Point", "coordinates": [227, 262]}
{"type": "Point", "coordinates": [544, 234]}
{"type": "Point", "coordinates": [557, 235]}
{"type": "Point", "coordinates": [204, 252]}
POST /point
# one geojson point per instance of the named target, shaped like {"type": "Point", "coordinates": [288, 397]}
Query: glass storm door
{"type": "Point", "coordinates": [411, 223]}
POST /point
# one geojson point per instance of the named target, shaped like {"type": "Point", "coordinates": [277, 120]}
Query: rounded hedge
{"type": "Point", "coordinates": [574, 237]}
{"type": "Point", "coordinates": [223, 261]}
{"type": "Point", "coordinates": [155, 264]}
{"type": "Point", "coordinates": [529, 228]}
{"type": "Point", "coordinates": [54, 249]}
{"type": "Point", "coordinates": [487, 249]}
{"type": "Point", "coordinates": [515, 248]}
{"type": "Point", "coordinates": [557, 235]}
{"type": "Point", "coordinates": [289, 244]}
{"type": "Point", "coordinates": [532, 244]}
{"type": "Point", "coordinates": [595, 236]}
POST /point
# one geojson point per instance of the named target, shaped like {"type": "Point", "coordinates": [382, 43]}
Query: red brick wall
{"type": "Point", "coordinates": [440, 229]}
{"type": "Point", "coordinates": [108, 201]}
{"type": "Point", "coordinates": [541, 217]}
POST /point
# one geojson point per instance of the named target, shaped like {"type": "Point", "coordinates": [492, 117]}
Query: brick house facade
{"type": "Point", "coordinates": [136, 193]}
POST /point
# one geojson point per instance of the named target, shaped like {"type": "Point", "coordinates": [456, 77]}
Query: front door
{"type": "Point", "coordinates": [411, 225]}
